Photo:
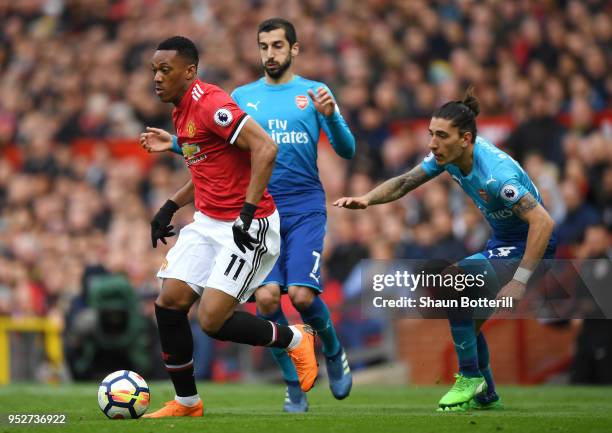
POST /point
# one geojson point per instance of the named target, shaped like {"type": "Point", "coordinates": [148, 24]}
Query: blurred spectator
{"type": "Point", "coordinates": [539, 131]}
{"type": "Point", "coordinates": [594, 342]}
{"type": "Point", "coordinates": [605, 197]}
{"type": "Point", "coordinates": [578, 217]}
{"type": "Point", "coordinates": [545, 175]}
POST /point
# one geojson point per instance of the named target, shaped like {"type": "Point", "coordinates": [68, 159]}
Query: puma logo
{"type": "Point", "coordinates": [481, 387]}
{"type": "Point", "coordinates": [491, 179]}
{"type": "Point", "coordinates": [461, 346]}
{"type": "Point", "coordinates": [253, 106]}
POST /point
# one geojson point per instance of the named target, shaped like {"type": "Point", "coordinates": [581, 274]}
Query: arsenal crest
{"type": "Point", "coordinates": [301, 101]}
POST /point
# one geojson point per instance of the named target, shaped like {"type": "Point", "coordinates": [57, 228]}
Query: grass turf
{"type": "Point", "coordinates": [371, 409]}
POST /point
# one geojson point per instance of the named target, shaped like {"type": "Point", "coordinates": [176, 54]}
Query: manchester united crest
{"type": "Point", "coordinates": [191, 129]}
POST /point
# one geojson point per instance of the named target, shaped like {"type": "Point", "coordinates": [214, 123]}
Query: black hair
{"type": "Point", "coordinates": [279, 23]}
{"type": "Point", "coordinates": [462, 114]}
{"type": "Point", "coordinates": [183, 46]}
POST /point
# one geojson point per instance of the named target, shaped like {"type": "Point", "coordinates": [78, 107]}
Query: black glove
{"type": "Point", "coordinates": [241, 226]}
{"type": "Point", "coordinates": [160, 224]}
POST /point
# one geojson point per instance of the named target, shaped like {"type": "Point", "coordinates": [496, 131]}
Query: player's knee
{"type": "Point", "coordinates": [267, 300]}
{"type": "Point", "coordinates": [212, 318]}
{"type": "Point", "coordinates": [176, 295]}
{"type": "Point", "coordinates": [172, 302]}
{"type": "Point", "coordinates": [301, 297]}
{"type": "Point", "coordinates": [210, 324]}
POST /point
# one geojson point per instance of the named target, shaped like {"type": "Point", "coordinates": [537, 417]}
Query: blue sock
{"type": "Point", "coordinates": [483, 361]}
{"type": "Point", "coordinates": [464, 337]}
{"type": "Point", "coordinates": [317, 316]}
{"type": "Point", "coordinates": [280, 355]}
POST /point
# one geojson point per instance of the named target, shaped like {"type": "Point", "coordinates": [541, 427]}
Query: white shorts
{"type": "Point", "coordinates": [205, 255]}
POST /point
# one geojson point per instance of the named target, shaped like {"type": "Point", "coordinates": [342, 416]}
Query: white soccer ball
{"type": "Point", "coordinates": [123, 394]}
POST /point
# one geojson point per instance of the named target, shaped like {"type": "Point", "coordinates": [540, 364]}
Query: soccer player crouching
{"type": "Point", "coordinates": [522, 230]}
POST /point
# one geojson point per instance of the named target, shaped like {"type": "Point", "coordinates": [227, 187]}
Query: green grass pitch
{"type": "Point", "coordinates": [256, 408]}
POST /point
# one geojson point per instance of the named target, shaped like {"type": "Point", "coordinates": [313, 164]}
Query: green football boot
{"type": "Point", "coordinates": [464, 390]}
{"type": "Point", "coordinates": [486, 401]}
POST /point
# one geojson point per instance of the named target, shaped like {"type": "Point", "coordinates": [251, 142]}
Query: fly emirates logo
{"type": "Point", "coordinates": [501, 214]}
{"type": "Point", "coordinates": [277, 129]}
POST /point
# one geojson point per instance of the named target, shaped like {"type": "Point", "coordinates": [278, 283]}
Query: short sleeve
{"type": "Point", "coordinates": [222, 116]}
{"type": "Point", "coordinates": [511, 191]}
{"type": "Point", "coordinates": [430, 166]}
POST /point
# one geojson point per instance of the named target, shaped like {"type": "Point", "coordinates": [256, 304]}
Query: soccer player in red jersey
{"type": "Point", "coordinates": [234, 240]}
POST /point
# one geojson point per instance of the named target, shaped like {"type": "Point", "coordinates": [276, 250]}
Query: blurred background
{"type": "Point", "coordinates": [77, 271]}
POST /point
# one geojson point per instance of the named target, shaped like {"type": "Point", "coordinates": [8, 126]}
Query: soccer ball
{"type": "Point", "coordinates": [123, 394]}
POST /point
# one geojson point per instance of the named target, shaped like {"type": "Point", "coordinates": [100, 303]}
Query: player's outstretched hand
{"type": "Point", "coordinates": [323, 101]}
{"type": "Point", "coordinates": [352, 202]}
{"type": "Point", "coordinates": [156, 140]}
{"type": "Point", "coordinates": [160, 224]}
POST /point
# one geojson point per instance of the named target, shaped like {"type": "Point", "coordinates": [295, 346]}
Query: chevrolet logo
{"type": "Point", "coordinates": [190, 150]}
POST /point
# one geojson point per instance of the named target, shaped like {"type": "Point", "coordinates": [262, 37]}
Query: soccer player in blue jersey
{"type": "Point", "coordinates": [521, 229]}
{"type": "Point", "coordinates": [293, 110]}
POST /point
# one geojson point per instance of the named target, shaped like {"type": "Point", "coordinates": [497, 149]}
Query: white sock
{"type": "Point", "coordinates": [297, 338]}
{"type": "Point", "coordinates": [190, 401]}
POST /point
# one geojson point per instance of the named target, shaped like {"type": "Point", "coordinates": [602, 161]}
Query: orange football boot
{"type": "Point", "coordinates": [304, 358]}
{"type": "Point", "coordinates": [174, 408]}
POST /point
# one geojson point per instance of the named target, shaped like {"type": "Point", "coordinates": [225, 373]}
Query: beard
{"type": "Point", "coordinates": [280, 70]}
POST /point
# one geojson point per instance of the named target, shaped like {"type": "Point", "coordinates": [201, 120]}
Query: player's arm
{"type": "Point", "coordinates": [388, 191]}
{"type": "Point", "coordinates": [334, 125]}
{"type": "Point", "coordinates": [184, 195]}
{"type": "Point", "coordinates": [263, 150]}
{"type": "Point", "coordinates": [160, 224]}
{"type": "Point", "coordinates": [157, 140]}
{"type": "Point", "coordinates": [540, 229]}
{"type": "Point", "coordinates": [541, 226]}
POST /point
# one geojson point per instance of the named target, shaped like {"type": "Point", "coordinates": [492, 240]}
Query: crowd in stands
{"type": "Point", "coordinates": [73, 70]}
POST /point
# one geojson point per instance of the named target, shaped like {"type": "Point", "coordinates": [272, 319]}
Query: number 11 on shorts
{"type": "Point", "coordinates": [241, 263]}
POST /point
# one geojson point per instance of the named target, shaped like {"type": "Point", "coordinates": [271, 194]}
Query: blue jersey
{"type": "Point", "coordinates": [288, 115]}
{"type": "Point", "coordinates": [495, 184]}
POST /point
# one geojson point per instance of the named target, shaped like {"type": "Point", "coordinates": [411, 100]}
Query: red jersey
{"type": "Point", "coordinates": [207, 123]}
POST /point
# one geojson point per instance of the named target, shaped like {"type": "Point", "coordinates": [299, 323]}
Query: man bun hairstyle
{"type": "Point", "coordinates": [462, 114]}
{"type": "Point", "coordinates": [184, 48]}
{"type": "Point", "coordinates": [279, 23]}
{"type": "Point", "coordinates": [470, 101]}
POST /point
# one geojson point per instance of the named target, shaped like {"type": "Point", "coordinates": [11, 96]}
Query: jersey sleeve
{"type": "Point", "coordinates": [337, 130]}
{"type": "Point", "coordinates": [509, 189]}
{"type": "Point", "coordinates": [430, 166]}
{"type": "Point", "coordinates": [222, 116]}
